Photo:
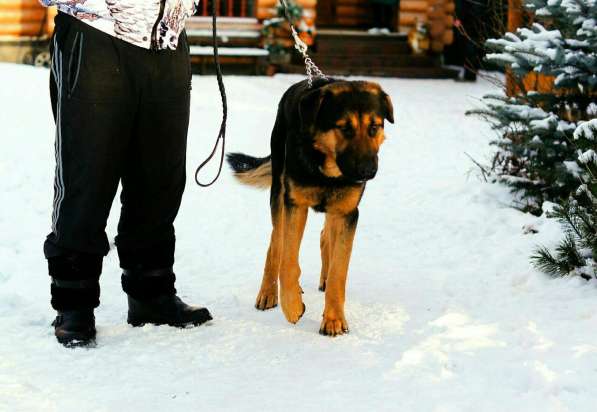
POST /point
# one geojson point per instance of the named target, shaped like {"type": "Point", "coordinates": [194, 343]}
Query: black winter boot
{"type": "Point", "coordinates": [152, 299]}
{"type": "Point", "coordinates": [75, 293]}
{"type": "Point", "coordinates": [75, 328]}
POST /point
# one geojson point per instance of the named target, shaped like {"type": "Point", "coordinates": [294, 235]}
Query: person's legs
{"type": "Point", "coordinates": [154, 173]}
{"type": "Point", "coordinates": [152, 186]}
{"type": "Point", "coordinates": [92, 109]}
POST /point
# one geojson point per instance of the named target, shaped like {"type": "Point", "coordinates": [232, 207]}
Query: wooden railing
{"type": "Point", "coordinates": [229, 8]}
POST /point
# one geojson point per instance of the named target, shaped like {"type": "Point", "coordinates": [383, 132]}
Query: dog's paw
{"type": "Point", "coordinates": [322, 286]}
{"type": "Point", "coordinates": [267, 299]}
{"type": "Point", "coordinates": [333, 326]}
{"type": "Point", "coordinates": [292, 304]}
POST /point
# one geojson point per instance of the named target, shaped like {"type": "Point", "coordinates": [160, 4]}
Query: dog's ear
{"type": "Point", "coordinates": [388, 107]}
{"type": "Point", "coordinates": [309, 107]}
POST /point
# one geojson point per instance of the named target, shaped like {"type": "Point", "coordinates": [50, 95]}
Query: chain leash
{"type": "Point", "coordinates": [310, 67]}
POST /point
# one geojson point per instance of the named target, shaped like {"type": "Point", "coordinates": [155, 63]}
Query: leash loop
{"type": "Point", "coordinates": [310, 67]}
{"type": "Point", "coordinates": [222, 133]}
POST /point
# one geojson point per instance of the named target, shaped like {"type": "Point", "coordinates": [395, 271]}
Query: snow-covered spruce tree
{"type": "Point", "coordinates": [577, 253]}
{"type": "Point", "coordinates": [548, 135]}
{"type": "Point", "coordinates": [537, 154]}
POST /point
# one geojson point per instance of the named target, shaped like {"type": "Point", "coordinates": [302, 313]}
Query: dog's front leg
{"type": "Point", "coordinates": [291, 298]}
{"type": "Point", "coordinates": [325, 243]}
{"type": "Point", "coordinates": [268, 293]}
{"type": "Point", "coordinates": [342, 229]}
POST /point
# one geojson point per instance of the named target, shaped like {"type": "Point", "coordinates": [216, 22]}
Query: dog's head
{"type": "Point", "coordinates": [346, 122]}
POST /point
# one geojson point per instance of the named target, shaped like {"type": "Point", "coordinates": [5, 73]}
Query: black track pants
{"type": "Point", "coordinates": [121, 115]}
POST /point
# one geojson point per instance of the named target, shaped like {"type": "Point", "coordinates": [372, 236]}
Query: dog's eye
{"type": "Point", "coordinates": [347, 131]}
{"type": "Point", "coordinates": [373, 129]}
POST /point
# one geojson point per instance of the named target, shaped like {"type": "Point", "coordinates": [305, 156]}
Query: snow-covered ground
{"type": "Point", "coordinates": [446, 313]}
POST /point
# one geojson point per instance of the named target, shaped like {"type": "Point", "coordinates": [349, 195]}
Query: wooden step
{"type": "Point", "coordinates": [379, 60]}
{"type": "Point", "coordinates": [436, 72]}
{"type": "Point", "coordinates": [360, 42]}
{"type": "Point", "coordinates": [358, 33]}
{"type": "Point", "coordinates": [361, 48]}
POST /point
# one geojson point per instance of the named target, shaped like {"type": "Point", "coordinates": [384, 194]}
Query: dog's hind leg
{"type": "Point", "coordinates": [295, 218]}
{"type": "Point", "coordinates": [342, 229]}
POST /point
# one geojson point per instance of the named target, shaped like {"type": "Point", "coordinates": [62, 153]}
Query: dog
{"type": "Point", "coordinates": [324, 149]}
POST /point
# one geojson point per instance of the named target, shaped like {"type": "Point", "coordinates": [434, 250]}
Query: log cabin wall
{"type": "Point", "coordinates": [358, 15]}
{"type": "Point", "coordinates": [438, 15]}
{"type": "Point", "coordinates": [349, 14]}
{"type": "Point", "coordinates": [25, 18]}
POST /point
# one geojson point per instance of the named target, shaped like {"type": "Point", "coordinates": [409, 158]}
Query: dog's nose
{"type": "Point", "coordinates": [367, 170]}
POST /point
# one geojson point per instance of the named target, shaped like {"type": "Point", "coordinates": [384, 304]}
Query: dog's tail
{"type": "Point", "coordinates": [252, 171]}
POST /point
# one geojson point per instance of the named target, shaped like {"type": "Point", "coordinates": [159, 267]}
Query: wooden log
{"type": "Point", "coordinates": [306, 4]}
{"type": "Point", "coordinates": [266, 13]}
{"type": "Point", "coordinates": [19, 4]}
{"type": "Point", "coordinates": [22, 29]}
{"type": "Point", "coordinates": [22, 18]}
{"type": "Point", "coordinates": [52, 12]}
{"type": "Point", "coordinates": [448, 37]}
{"type": "Point", "coordinates": [449, 21]}
{"type": "Point", "coordinates": [410, 18]}
{"type": "Point", "coordinates": [420, 6]}
{"type": "Point", "coordinates": [13, 16]}
{"type": "Point", "coordinates": [267, 3]}
{"type": "Point", "coordinates": [436, 12]}
{"type": "Point", "coordinates": [437, 29]}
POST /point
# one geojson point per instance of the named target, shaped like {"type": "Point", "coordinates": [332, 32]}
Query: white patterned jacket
{"type": "Point", "coordinates": [154, 24]}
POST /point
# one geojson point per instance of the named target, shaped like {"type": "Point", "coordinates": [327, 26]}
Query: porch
{"type": "Point", "coordinates": [342, 41]}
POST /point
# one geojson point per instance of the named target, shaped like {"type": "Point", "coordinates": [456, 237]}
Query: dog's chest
{"type": "Point", "coordinates": [342, 200]}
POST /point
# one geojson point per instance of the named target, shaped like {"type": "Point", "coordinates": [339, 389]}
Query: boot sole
{"type": "Point", "coordinates": [137, 324]}
{"type": "Point", "coordinates": [76, 340]}
{"type": "Point", "coordinates": [174, 325]}
{"type": "Point", "coordinates": [141, 322]}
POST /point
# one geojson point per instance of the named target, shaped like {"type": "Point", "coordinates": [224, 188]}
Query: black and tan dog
{"type": "Point", "coordinates": [324, 149]}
